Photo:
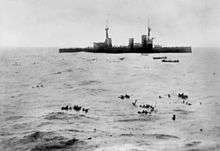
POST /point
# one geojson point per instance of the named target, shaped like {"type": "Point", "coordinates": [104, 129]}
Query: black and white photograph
{"type": "Point", "coordinates": [109, 75]}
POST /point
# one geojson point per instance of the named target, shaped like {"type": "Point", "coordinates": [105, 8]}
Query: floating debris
{"type": "Point", "coordinates": [174, 117]}
{"type": "Point", "coordinates": [126, 96]}
{"type": "Point", "coordinates": [182, 95]}
{"type": "Point", "coordinates": [134, 103]}
{"type": "Point", "coordinates": [144, 112]}
{"type": "Point", "coordinates": [121, 97]}
{"type": "Point", "coordinates": [38, 86]}
{"type": "Point", "coordinates": [77, 108]}
{"type": "Point", "coordinates": [146, 106]}
{"type": "Point", "coordinates": [187, 103]}
{"type": "Point", "coordinates": [148, 109]}
{"type": "Point", "coordinates": [85, 110]}
{"type": "Point", "coordinates": [66, 108]}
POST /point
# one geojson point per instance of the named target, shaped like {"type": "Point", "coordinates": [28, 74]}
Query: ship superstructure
{"type": "Point", "coordinates": [106, 44]}
{"type": "Point", "coordinates": [146, 46]}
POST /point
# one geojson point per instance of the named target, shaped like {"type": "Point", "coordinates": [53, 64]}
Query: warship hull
{"type": "Point", "coordinates": [128, 50]}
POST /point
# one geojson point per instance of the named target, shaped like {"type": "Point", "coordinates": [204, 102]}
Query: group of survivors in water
{"type": "Point", "coordinates": [146, 109]}
{"type": "Point", "coordinates": [77, 108]}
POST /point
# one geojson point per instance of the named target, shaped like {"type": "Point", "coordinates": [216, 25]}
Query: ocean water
{"type": "Point", "coordinates": [36, 82]}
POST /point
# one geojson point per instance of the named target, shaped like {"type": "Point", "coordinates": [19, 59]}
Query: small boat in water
{"type": "Point", "coordinates": [164, 60]}
{"type": "Point", "coordinates": [160, 57]}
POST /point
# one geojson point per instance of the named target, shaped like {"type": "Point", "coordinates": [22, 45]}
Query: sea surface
{"type": "Point", "coordinates": [36, 82]}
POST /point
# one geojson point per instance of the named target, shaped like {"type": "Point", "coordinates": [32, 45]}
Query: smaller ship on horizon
{"type": "Point", "coordinates": [146, 46]}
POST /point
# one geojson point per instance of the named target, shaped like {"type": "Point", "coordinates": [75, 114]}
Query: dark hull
{"type": "Point", "coordinates": [128, 50]}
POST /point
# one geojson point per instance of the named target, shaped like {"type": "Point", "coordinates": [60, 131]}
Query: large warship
{"type": "Point", "coordinates": [146, 46]}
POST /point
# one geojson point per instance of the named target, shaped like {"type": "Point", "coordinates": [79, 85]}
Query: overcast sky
{"type": "Point", "coordinates": [76, 23]}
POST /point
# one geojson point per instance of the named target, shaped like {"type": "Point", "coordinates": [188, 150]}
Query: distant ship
{"type": "Point", "coordinates": [146, 46]}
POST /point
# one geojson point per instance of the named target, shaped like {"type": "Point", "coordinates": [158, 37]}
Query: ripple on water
{"type": "Point", "coordinates": [5, 133]}
{"type": "Point", "coordinates": [193, 143]}
{"type": "Point", "coordinates": [95, 91]}
{"type": "Point", "coordinates": [66, 116]}
{"type": "Point", "coordinates": [152, 136]}
{"type": "Point", "coordinates": [88, 82]}
{"type": "Point", "coordinates": [128, 135]}
{"type": "Point", "coordinates": [68, 70]}
{"type": "Point", "coordinates": [12, 118]}
{"type": "Point", "coordinates": [23, 126]}
{"type": "Point", "coordinates": [182, 111]}
{"type": "Point", "coordinates": [59, 116]}
{"type": "Point", "coordinates": [41, 124]}
{"type": "Point", "coordinates": [121, 147]}
{"type": "Point", "coordinates": [163, 136]}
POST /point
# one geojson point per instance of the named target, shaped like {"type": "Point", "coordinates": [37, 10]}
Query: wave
{"type": "Point", "coordinates": [39, 140]}
{"type": "Point", "coordinates": [144, 118]}
{"type": "Point", "coordinates": [38, 135]}
{"type": "Point", "coordinates": [66, 116]}
{"type": "Point", "coordinates": [56, 145]}
{"type": "Point", "coordinates": [95, 91]}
